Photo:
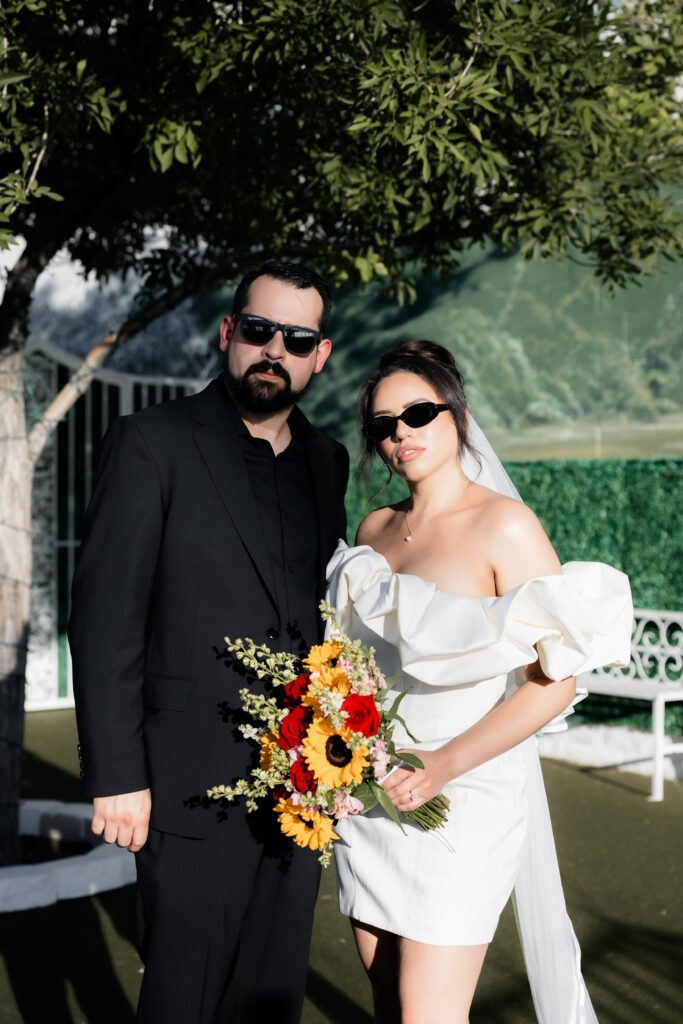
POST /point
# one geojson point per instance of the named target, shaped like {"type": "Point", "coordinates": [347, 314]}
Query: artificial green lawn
{"type": "Point", "coordinates": [621, 862]}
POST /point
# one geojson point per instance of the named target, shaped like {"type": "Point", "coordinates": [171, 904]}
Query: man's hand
{"type": "Point", "coordinates": [123, 819]}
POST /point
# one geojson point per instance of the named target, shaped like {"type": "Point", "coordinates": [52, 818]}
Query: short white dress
{"type": "Point", "coordinates": [456, 657]}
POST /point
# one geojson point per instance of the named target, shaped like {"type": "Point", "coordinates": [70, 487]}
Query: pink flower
{"type": "Point", "coordinates": [345, 804]}
{"type": "Point", "coordinates": [380, 760]}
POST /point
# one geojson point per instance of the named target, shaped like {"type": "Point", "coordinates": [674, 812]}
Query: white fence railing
{"type": "Point", "coordinates": [62, 487]}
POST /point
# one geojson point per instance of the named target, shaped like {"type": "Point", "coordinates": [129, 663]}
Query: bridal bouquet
{"type": "Point", "coordinates": [325, 739]}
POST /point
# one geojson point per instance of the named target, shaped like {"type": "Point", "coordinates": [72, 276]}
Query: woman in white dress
{"type": "Point", "coordinates": [463, 597]}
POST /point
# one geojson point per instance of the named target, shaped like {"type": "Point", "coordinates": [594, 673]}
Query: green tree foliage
{"type": "Point", "coordinates": [359, 134]}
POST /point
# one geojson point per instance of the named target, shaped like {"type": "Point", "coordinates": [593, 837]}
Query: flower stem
{"type": "Point", "coordinates": [431, 815]}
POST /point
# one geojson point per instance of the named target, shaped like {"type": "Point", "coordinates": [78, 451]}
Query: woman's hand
{"type": "Point", "coordinates": [421, 783]}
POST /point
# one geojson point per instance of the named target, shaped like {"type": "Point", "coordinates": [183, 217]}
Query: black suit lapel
{"type": "Point", "coordinates": [219, 445]}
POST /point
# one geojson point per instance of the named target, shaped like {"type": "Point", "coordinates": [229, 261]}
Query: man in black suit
{"type": "Point", "coordinates": [213, 515]}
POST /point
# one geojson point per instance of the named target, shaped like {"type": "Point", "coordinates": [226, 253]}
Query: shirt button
{"type": "Point", "coordinates": [290, 568]}
{"type": "Point", "coordinates": [285, 516]}
{"type": "Point", "coordinates": [273, 633]}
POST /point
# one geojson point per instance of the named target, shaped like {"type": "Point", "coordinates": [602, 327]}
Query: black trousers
{"type": "Point", "coordinates": [224, 924]}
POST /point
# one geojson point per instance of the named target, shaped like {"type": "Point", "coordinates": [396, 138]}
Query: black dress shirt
{"type": "Point", "coordinates": [284, 494]}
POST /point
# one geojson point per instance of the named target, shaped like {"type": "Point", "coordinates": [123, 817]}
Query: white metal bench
{"type": "Point", "coordinates": [655, 674]}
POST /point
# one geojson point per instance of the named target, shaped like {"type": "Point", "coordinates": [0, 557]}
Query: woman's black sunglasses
{"type": "Point", "coordinates": [299, 341]}
{"type": "Point", "coordinates": [419, 415]}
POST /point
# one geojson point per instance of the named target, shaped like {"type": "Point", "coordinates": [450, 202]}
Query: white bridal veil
{"type": "Point", "coordinates": [551, 950]}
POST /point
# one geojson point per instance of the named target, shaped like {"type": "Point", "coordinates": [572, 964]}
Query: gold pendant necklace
{"type": "Point", "coordinates": [410, 532]}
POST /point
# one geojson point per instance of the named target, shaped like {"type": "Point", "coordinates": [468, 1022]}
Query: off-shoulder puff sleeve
{"type": "Point", "coordinates": [574, 622]}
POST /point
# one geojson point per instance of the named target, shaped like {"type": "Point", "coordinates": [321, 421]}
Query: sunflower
{"type": "Point", "coordinates": [332, 762]}
{"type": "Point", "coordinates": [306, 827]}
{"type": "Point", "coordinates": [310, 700]}
{"type": "Point", "coordinates": [336, 680]}
{"type": "Point", "coordinates": [268, 743]}
{"type": "Point", "coordinates": [319, 656]}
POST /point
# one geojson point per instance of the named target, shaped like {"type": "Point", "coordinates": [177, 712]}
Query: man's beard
{"type": "Point", "coordinates": [262, 395]}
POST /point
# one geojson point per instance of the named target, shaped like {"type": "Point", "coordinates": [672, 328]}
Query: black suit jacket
{"type": "Point", "coordinates": [174, 559]}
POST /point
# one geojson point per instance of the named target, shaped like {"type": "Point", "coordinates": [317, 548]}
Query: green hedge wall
{"type": "Point", "coordinates": [626, 512]}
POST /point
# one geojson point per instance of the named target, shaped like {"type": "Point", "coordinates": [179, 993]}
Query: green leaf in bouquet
{"type": "Point", "coordinates": [412, 759]}
{"type": "Point", "coordinates": [386, 804]}
{"type": "Point", "coordinates": [365, 793]}
{"type": "Point", "coordinates": [391, 712]}
{"type": "Point", "coordinates": [401, 721]}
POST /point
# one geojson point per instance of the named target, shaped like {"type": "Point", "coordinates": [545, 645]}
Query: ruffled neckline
{"type": "Point", "coordinates": [343, 550]}
{"type": "Point", "coordinates": [574, 621]}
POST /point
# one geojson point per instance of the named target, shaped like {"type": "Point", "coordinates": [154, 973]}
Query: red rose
{"type": "Point", "coordinates": [279, 793]}
{"type": "Point", "coordinates": [302, 777]}
{"type": "Point", "coordinates": [295, 690]}
{"type": "Point", "coordinates": [363, 715]}
{"type": "Point", "coordinates": [293, 727]}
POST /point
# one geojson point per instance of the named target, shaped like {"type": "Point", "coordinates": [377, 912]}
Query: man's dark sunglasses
{"type": "Point", "coordinates": [299, 341]}
{"type": "Point", "coordinates": [419, 415]}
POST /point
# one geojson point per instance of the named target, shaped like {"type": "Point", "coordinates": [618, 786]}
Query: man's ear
{"type": "Point", "coordinates": [225, 332]}
{"type": "Point", "coordinates": [322, 354]}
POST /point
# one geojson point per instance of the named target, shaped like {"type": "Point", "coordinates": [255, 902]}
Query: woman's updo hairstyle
{"type": "Point", "coordinates": [433, 363]}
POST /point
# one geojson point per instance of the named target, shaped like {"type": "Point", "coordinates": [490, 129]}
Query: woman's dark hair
{"type": "Point", "coordinates": [433, 363]}
{"type": "Point", "coordinates": [295, 274]}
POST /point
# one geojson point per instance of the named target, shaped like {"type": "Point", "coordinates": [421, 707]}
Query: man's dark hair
{"type": "Point", "coordinates": [295, 274]}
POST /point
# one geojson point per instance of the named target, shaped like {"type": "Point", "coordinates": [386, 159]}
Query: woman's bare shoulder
{"type": "Point", "coordinates": [506, 517]}
{"type": "Point", "coordinates": [518, 546]}
{"type": "Point", "coordinates": [374, 523]}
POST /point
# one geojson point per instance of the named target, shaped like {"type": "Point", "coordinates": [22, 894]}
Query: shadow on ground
{"type": "Point", "coordinates": [333, 1003]}
{"type": "Point", "coordinates": [632, 973]}
{"type": "Point", "coordinates": [63, 963]}
{"type": "Point", "coordinates": [620, 860]}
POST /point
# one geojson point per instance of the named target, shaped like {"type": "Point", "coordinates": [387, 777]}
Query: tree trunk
{"type": "Point", "coordinates": [16, 475]}
{"type": "Point", "coordinates": [16, 541]}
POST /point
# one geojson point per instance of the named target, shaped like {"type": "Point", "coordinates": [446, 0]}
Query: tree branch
{"type": "Point", "coordinates": [42, 150]}
{"type": "Point", "coordinates": [82, 378]}
{"type": "Point", "coordinates": [16, 301]}
{"type": "Point", "coordinates": [38, 160]}
{"type": "Point", "coordinates": [477, 43]}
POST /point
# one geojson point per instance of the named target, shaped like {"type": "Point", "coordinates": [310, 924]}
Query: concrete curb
{"type": "Point", "coordinates": [105, 867]}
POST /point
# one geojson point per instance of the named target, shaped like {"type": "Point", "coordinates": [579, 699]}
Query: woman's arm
{"type": "Point", "coordinates": [520, 550]}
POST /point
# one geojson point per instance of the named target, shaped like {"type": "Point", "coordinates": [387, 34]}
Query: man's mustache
{"type": "Point", "coordinates": [265, 367]}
